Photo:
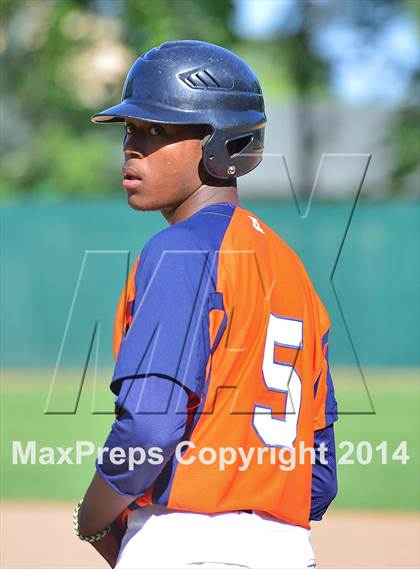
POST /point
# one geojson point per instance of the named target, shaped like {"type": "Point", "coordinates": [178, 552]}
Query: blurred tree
{"type": "Point", "coordinates": [308, 72]}
{"type": "Point", "coordinates": [314, 40]}
{"type": "Point", "coordinates": [64, 60]}
{"type": "Point", "coordinates": [405, 172]}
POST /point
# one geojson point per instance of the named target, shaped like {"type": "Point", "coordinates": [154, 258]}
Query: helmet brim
{"type": "Point", "coordinates": [143, 111]}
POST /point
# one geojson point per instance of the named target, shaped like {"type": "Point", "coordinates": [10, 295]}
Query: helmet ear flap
{"type": "Point", "coordinates": [215, 156]}
{"type": "Point", "coordinates": [204, 140]}
{"type": "Point", "coordinates": [225, 156]}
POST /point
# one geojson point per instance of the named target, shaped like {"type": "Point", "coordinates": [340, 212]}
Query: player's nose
{"type": "Point", "coordinates": [131, 151]}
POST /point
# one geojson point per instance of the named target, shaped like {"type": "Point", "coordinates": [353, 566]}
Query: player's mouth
{"type": "Point", "coordinates": [131, 179]}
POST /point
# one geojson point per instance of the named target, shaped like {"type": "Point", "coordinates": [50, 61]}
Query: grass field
{"type": "Point", "coordinates": [395, 418]}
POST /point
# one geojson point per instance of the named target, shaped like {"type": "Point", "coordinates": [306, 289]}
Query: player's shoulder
{"type": "Point", "coordinates": [174, 237]}
{"type": "Point", "coordinates": [251, 226]}
{"type": "Point", "coordinates": [204, 230]}
{"type": "Point", "coordinates": [254, 231]}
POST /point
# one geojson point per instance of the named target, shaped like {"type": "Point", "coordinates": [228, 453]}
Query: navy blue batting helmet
{"type": "Point", "coordinates": [194, 82]}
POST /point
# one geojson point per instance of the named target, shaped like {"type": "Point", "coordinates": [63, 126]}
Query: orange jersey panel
{"type": "Point", "coordinates": [258, 275]}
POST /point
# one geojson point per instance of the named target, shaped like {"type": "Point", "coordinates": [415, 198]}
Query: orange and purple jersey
{"type": "Point", "coordinates": [221, 342]}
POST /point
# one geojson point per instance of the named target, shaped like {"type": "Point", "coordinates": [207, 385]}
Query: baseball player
{"type": "Point", "coordinates": [222, 449]}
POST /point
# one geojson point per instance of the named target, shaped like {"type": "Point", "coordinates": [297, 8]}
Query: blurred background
{"type": "Point", "coordinates": [339, 182]}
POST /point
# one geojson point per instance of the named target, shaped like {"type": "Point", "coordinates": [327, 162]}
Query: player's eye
{"type": "Point", "coordinates": [156, 130]}
{"type": "Point", "coordinates": [129, 128]}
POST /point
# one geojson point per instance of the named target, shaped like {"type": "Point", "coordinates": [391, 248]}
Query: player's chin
{"type": "Point", "coordinates": [141, 202]}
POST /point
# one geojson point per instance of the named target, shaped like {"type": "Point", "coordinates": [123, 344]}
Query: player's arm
{"type": "Point", "coordinates": [100, 507]}
{"type": "Point", "coordinates": [324, 472]}
{"type": "Point", "coordinates": [152, 412]}
{"type": "Point", "coordinates": [168, 338]}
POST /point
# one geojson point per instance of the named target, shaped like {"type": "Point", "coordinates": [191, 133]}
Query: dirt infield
{"type": "Point", "coordinates": [39, 536]}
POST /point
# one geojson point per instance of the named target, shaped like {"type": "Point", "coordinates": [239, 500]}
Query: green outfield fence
{"type": "Point", "coordinates": [44, 261]}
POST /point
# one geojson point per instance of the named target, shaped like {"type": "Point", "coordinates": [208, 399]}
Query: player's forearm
{"type": "Point", "coordinates": [109, 546]}
{"type": "Point", "coordinates": [101, 506]}
{"type": "Point", "coordinates": [116, 484]}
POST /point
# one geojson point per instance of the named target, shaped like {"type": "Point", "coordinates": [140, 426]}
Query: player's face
{"type": "Point", "coordinates": [161, 166]}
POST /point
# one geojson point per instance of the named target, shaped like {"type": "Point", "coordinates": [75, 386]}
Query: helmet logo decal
{"type": "Point", "coordinates": [200, 78]}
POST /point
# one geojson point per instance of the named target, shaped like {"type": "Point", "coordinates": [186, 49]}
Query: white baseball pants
{"type": "Point", "coordinates": [158, 538]}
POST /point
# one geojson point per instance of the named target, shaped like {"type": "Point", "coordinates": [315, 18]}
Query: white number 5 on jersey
{"type": "Point", "coordinates": [280, 377]}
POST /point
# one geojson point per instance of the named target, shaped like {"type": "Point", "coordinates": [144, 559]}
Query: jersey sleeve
{"type": "Point", "coordinates": [324, 473]}
{"type": "Point", "coordinates": [151, 416]}
{"type": "Point", "coordinates": [324, 396]}
{"type": "Point", "coordinates": [169, 332]}
{"type": "Point", "coordinates": [325, 402]}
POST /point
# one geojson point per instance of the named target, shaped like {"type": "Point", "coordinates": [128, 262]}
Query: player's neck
{"type": "Point", "coordinates": [202, 197]}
